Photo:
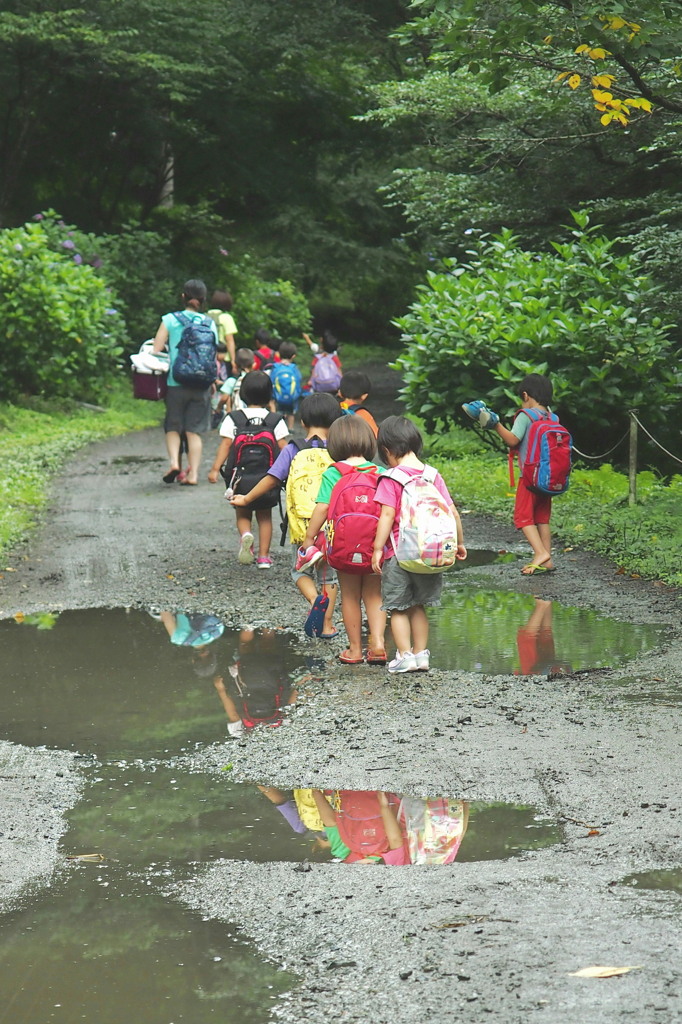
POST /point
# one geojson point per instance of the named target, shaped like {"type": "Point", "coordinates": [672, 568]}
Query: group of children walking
{"type": "Point", "coordinates": [382, 535]}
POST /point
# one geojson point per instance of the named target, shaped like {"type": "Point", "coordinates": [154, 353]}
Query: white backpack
{"type": "Point", "coordinates": [427, 529]}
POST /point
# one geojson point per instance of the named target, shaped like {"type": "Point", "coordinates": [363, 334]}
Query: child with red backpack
{"type": "Point", "coordinates": [346, 502]}
{"type": "Point", "coordinates": [544, 453]}
{"type": "Point", "coordinates": [251, 440]}
{"type": "Point", "coordinates": [418, 536]}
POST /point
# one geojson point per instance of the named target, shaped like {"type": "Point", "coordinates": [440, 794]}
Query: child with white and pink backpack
{"type": "Point", "coordinates": [346, 502]}
{"type": "Point", "coordinates": [419, 535]}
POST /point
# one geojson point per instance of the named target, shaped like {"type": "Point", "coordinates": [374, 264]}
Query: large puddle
{"type": "Point", "coordinates": [140, 692]}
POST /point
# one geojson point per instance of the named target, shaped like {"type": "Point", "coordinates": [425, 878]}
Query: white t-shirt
{"type": "Point", "coordinates": [228, 429]}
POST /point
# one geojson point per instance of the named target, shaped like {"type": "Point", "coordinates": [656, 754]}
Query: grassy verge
{"type": "Point", "coordinates": [36, 439]}
{"type": "Point", "coordinates": [643, 540]}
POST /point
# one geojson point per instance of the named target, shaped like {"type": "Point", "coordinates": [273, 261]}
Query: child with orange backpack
{"type": "Point", "coordinates": [346, 502]}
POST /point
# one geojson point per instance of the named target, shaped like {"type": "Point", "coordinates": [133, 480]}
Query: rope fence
{"type": "Point", "coordinates": [631, 433]}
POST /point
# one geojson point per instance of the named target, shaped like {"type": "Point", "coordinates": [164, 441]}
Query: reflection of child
{"type": "Point", "coordinates": [257, 688]}
{"type": "Point", "coordinates": [535, 643]}
{"type": "Point", "coordinates": [365, 827]}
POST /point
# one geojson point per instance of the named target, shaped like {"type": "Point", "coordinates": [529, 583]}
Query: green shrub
{"type": "Point", "coordinates": [579, 314]}
{"type": "Point", "coordinates": [62, 333]}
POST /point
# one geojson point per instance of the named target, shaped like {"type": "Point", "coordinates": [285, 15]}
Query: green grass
{"type": "Point", "coordinates": [643, 540]}
{"type": "Point", "coordinates": [37, 436]}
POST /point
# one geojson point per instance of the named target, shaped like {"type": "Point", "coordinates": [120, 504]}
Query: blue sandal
{"type": "Point", "coordinates": [314, 624]}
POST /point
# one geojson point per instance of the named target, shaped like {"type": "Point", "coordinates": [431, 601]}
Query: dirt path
{"type": "Point", "coordinates": [489, 940]}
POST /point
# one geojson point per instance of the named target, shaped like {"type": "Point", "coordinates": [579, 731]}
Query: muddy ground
{"type": "Point", "coordinates": [487, 940]}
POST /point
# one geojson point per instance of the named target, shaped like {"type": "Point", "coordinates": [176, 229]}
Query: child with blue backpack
{"type": "Point", "coordinates": [287, 385]}
{"type": "Point", "coordinates": [533, 504]}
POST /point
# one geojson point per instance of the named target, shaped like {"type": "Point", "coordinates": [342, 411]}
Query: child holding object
{"type": "Point", "coordinates": [346, 502]}
{"type": "Point", "coordinates": [418, 536]}
{"type": "Point", "coordinates": [532, 508]}
{"type": "Point", "coordinates": [300, 466]}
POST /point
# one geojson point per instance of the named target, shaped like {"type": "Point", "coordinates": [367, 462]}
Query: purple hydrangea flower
{"type": "Point", "coordinates": [19, 247]}
{"type": "Point", "coordinates": [68, 244]}
{"type": "Point", "coordinates": [38, 216]}
{"type": "Point", "coordinates": [78, 258]}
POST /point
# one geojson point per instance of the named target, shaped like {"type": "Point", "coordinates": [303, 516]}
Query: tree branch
{"type": "Point", "coordinates": [645, 90]}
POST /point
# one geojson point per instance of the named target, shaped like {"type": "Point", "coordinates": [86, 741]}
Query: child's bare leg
{"type": "Point", "coordinates": [400, 630]}
{"type": "Point", "coordinates": [243, 521]}
{"type": "Point", "coordinates": [331, 592]}
{"type": "Point", "coordinates": [264, 520]}
{"type": "Point", "coordinates": [351, 609]}
{"type": "Point", "coordinates": [420, 628]}
{"type": "Point", "coordinates": [546, 538]}
{"type": "Point", "coordinates": [541, 555]}
{"type": "Point", "coordinates": [376, 619]}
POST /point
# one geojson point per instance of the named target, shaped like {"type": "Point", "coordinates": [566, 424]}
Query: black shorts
{"type": "Point", "coordinates": [188, 410]}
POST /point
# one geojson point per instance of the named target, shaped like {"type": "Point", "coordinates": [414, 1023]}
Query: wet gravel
{"type": "Point", "coordinates": [493, 940]}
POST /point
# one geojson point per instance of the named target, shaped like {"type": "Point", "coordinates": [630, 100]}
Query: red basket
{"type": "Point", "coordinates": [150, 386]}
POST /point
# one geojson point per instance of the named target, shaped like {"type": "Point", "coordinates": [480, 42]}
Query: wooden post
{"type": "Point", "coordinates": [632, 491]}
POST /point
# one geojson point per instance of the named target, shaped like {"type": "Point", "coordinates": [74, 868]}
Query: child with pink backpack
{"type": "Point", "coordinates": [346, 502]}
{"type": "Point", "coordinates": [419, 535]}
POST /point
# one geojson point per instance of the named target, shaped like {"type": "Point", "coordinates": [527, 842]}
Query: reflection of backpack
{"type": "Point", "coordinates": [303, 483]}
{"type": "Point", "coordinates": [360, 823]}
{"type": "Point", "coordinates": [286, 384]}
{"type": "Point", "coordinates": [196, 630]}
{"type": "Point", "coordinates": [326, 375]}
{"type": "Point", "coordinates": [251, 455]}
{"type": "Point", "coordinates": [427, 529]}
{"type": "Point", "coordinates": [352, 519]}
{"type": "Point", "coordinates": [434, 827]}
{"type": "Point", "coordinates": [194, 365]}
{"type": "Point", "coordinates": [261, 702]}
{"type": "Point", "coordinates": [547, 466]}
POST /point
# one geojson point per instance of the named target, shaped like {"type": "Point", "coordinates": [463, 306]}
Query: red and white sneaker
{"type": "Point", "coordinates": [307, 557]}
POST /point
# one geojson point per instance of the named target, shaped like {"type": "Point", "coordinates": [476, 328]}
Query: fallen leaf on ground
{"type": "Point", "coordinates": [603, 972]}
{"type": "Point", "coordinates": [90, 858]}
{"type": "Point", "coordinates": [594, 832]}
{"type": "Point", "coordinates": [19, 617]}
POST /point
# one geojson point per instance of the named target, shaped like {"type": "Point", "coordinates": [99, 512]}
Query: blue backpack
{"type": "Point", "coordinates": [286, 384]}
{"type": "Point", "coordinates": [194, 365]}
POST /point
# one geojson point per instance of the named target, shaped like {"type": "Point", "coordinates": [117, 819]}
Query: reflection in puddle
{"type": "Point", "coordinates": [500, 632]}
{"type": "Point", "coordinates": [668, 881]}
{"type": "Point", "coordinates": [136, 690]}
{"type": "Point", "coordinates": [127, 684]}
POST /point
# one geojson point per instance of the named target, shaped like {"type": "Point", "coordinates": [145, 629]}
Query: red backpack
{"type": "Point", "coordinates": [251, 455]}
{"type": "Point", "coordinates": [547, 466]}
{"type": "Point", "coordinates": [352, 519]}
{"type": "Point", "coordinates": [359, 821]}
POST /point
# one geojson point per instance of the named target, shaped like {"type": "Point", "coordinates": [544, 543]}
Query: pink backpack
{"type": "Point", "coordinates": [352, 519]}
{"type": "Point", "coordinates": [359, 821]}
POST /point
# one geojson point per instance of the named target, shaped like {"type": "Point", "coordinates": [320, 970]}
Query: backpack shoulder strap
{"type": "Point", "coordinates": [430, 473]}
{"type": "Point", "coordinates": [182, 318]}
{"type": "Point", "coordinates": [399, 475]}
{"type": "Point", "coordinates": [344, 469]}
{"type": "Point", "coordinates": [240, 420]}
{"type": "Point", "coordinates": [272, 420]}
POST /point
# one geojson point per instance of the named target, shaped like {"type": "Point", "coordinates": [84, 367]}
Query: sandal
{"type": "Point", "coordinates": [347, 660]}
{"type": "Point", "coordinates": [314, 624]}
{"type": "Point", "coordinates": [376, 657]}
{"type": "Point", "coordinates": [532, 568]}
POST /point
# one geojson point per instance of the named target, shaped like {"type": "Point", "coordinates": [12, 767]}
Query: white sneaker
{"type": "Point", "coordinates": [403, 662]}
{"type": "Point", "coordinates": [422, 660]}
{"type": "Point", "coordinates": [245, 556]}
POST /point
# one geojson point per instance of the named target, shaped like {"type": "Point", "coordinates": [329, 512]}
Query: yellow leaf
{"type": "Point", "coordinates": [582, 48]}
{"type": "Point", "coordinates": [600, 106]}
{"type": "Point", "coordinates": [564, 74]}
{"type": "Point", "coordinates": [19, 617]}
{"type": "Point", "coordinates": [547, 40]}
{"type": "Point", "coordinates": [645, 105]}
{"type": "Point", "coordinates": [606, 119]}
{"type": "Point", "coordinates": [634, 26]}
{"type": "Point", "coordinates": [603, 80]}
{"type": "Point", "coordinates": [615, 23]}
{"type": "Point", "coordinates": [601, 97]}
{"type": "Point", "coordinates": [598, 53]}
{"type": "Point", "coordinates": [622, 118]}
{"type": "Point", "coordinates": [603, 972]}
{"type": "Point", "coordinates": [574, 81]}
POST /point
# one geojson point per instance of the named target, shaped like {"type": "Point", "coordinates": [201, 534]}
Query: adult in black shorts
{"type": "Point", "coordinates": [188, 410]}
